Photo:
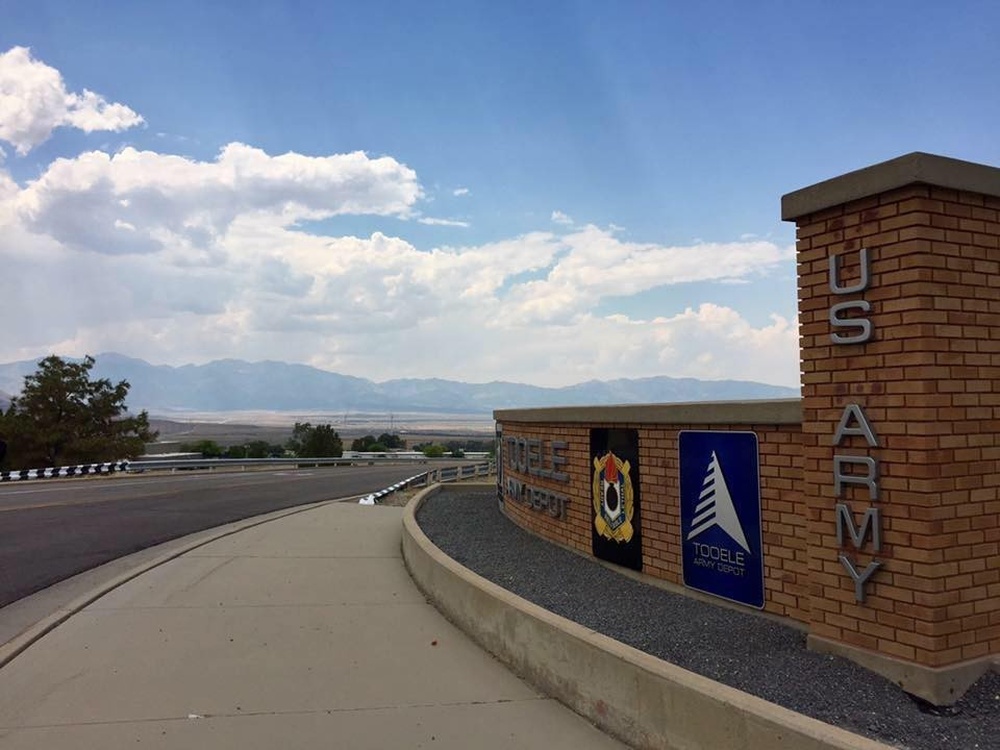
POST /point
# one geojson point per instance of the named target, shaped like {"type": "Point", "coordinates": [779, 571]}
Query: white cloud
{"type": "Point", "coordinates": [228, 273]}
{"type": "Point", "coordinates": [8, 193]}
{"type": "Point", "coordinates": [460, 191]}
{"type": "Point", "coordinates": [34, 102]}
{"type": "Point", "coordinates": [712, 342]}
{"type": "Point", "coordinates": [180, 205]}
{"type": "Point", "coordinates": [597, 265]}
{"type": "Point", "coordinates": [442, 222]}
{"type": "Point", "coordinates": [177, 260]}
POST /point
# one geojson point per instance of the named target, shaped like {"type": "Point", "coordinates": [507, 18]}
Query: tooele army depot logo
{"type": "Point", "coordinates": [616, 526]}
{"type": "Point", "coordinates": [613, 498]}
{"type": "Point", "coordinates": [720, 515]}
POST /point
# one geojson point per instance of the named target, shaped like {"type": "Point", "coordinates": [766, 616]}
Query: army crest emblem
{"type": "Point", "coordinates": [613, 498]}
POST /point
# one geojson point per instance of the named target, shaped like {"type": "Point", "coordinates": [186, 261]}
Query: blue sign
{"type": "Point", "coordinates": [722, 547]}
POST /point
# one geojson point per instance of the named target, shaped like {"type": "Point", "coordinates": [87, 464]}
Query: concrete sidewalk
{"type": "Point", "coordinates": [304, 632]}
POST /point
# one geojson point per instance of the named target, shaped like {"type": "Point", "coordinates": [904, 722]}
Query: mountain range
{"type": "Point", "coordinates": [235, 385]}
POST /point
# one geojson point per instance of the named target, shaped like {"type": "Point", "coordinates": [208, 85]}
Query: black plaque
{"type": "Point", "coordinates": [614, 466]}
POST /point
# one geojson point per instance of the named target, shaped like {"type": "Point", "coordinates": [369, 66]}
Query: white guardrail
{"type": "Point", "coordinates": [434, 476]}
{"type": "Point", "coordinates": [149, 464]}
{"type": "Point", "coordinates": [54, 472]}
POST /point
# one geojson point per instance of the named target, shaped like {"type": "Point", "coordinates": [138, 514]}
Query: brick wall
{"type": "Point", "coordinates": [574, 530]}
{"type": "Point", "coordinates": [928, 384]}
{"type": "Point", "coordinates": [909, 410]}
{"type": "Point", "coordinates": [783, 516]}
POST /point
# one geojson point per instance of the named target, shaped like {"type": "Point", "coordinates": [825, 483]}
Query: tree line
{"type": "Point", "coordinates": [307, 441]}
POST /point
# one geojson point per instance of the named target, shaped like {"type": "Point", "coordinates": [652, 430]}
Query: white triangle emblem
{"type": "Point", "coordinates": [715, 507]}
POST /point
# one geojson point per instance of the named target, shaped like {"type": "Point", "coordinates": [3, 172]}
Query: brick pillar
{"type": "Point", "coordinates": [899, 314]}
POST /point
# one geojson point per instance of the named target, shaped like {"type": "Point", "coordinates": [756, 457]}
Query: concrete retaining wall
{"type": "Point", "coordinates": [638, 698]}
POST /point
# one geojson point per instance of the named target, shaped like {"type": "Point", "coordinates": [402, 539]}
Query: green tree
{"type": "Point", "coordinates": [4, 436]}
{"type": "Point", "coordinates": [381, 444]}
{"type": "Point", "coordinates": [321, 441]}
{"type": "Point", "coordinates": [207, 448]}
{"type": "Point", "coordinates": [64, 417]}
{"type": "Point", "coordinates": [260, 449]}
{"type": "Point", "coordinates": [433, 451]}
{"type": "Point", "coordinates": [253, 449]}
{"type": "Point", "coordinates": [235, 451]}
{"type": "Point", "coordinates": [362, 443]}
{"type": "Point", "coordinates": [390, 441]}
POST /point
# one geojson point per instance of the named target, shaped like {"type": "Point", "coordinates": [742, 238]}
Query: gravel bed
{"type": "Point", "coordinates": [748, 652]}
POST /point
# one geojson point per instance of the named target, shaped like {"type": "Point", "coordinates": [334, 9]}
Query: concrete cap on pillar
{"type": "Point", "coordinates": [915, 168]}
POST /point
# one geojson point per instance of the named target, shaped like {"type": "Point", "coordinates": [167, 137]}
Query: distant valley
{"type": "Point", "coordinates": [234, 385]}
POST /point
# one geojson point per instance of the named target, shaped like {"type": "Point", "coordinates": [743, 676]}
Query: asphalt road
{"type": "Point", "coordinates": [51, 530]}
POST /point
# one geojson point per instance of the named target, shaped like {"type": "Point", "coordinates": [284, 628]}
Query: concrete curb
{"type": "Point", "coordinates": [642, 700]}
{"type": "Point", "coordinates": [17, 645]}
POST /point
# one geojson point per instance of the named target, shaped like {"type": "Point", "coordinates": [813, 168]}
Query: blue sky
{"type": "Point", "coordinates": [555, 191]}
